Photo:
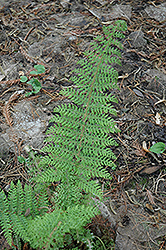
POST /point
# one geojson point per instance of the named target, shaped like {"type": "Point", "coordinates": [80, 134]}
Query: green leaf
{"type": "Point", "coordinates": [23, 79]}
{"type": "Point", "coordinates": [29, 93]}
{"type": "Point", "coordinates": [34, 72]}
{"type": "Point", "coordinates": [30, 82]}
{"type": "Point", "coordinates": [21, 159]}
{"type": "Point", "coordinates": [158, 148]}
{"type": "Point", "coordinates": [36, 85]}
{"type": "Point", "coordinates": [40, 68]}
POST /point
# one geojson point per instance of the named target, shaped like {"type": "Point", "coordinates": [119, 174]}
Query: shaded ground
{"type": "Point", "coordinates": [55, 33]}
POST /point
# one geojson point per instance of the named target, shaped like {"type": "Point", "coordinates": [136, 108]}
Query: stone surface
{"type": "Point", "coordinates": [158, 13]}
{"type": "Point", "coordinates": [116, 11]}
{"type": "Point", "coordinates": [28, 127]}
{"type": "Point", "coordinates": [137, 40]}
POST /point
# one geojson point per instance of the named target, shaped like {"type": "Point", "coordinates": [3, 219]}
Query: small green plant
{"type": "Point", "coordinates": [103, 243]}
{"type": "Point", "coordinates": [158, 148]}
{"type": "Point", "coordinates": [36, 85]}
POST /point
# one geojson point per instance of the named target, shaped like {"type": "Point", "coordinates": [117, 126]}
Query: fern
{"type": "Point", "coordinates": [50, 229]}
{"type": "Point", "coordinates": [78, 142]}
{"type": "Point", "coordinates": [4, 219]}
{"type": "Point", "coordinates": [38, 228]}
{"type": "Point", "coordinates": [77, 152]}
{"type": "Point", "coordinates": [21, 206]}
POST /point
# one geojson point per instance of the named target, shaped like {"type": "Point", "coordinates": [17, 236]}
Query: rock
{"type": "Point", "coordinates": [65, 4]}
{"type": "Point", "coordinates": [121, 11]}
{"type": "Point", "coordinates": [156, 80]}
{"type": "Point", "coordinates": [115, 12]}
{"type": "Point", "coordinates": [28, 125]}
{"type": "Point", "coordinates": [158, 13]}
{"type": "Point", "coordinates": [9, 72]}
{"type": "Point", "coordinates": [137, 40]}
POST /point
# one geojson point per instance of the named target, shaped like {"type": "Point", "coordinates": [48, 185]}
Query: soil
{"type": "Point", "coordinates": [55, 34]}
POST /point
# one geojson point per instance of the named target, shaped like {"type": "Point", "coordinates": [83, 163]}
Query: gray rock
{"type": "Point", "coordinates": [137, 39]}
{"type": "Point", "coordinates": [158, 13]}
{"type": "Point", "coordinates": [65, 3]}
{"type": "Point", "coordinates": [116, 11]}
{"type": "Point", "coordinates": [28, 126]}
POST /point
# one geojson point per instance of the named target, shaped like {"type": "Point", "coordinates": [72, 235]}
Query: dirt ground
{"type": "Point", "coordinates": [55, 33]}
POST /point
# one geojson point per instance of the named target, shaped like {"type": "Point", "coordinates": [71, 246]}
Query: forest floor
{"type": "Point", "coordinates": [55, 34]}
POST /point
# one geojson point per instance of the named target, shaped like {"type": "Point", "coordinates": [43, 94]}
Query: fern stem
{"type": "Point", "coordinates": [100, 241]}
{"type": "Point", "coordinates": [87, 106]}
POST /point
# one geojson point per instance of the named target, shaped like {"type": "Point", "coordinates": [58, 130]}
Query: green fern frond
{"type": "Point", "coordinates": [19, 225]}
{"type": "Point", "coordinates": [76, 156]}
{"type": "Point", "coordinates": [21, 205]}
{"type": "Point", "coordinates": [79, 142]}
{"type": "Point", "coordinates": [4, 218]}
{"type": "Point", "coordinates": [56, 224]}
{"type": "Point", "coordinates": [30, 203]}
